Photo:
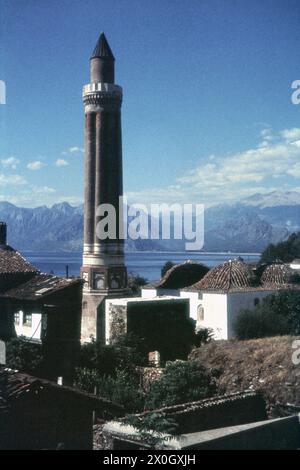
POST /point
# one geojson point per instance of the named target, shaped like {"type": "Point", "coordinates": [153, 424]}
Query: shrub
{"type": "Point", "coordinates": [258, 324]}
{"type": "Point", "coordinates": [162, 426]}
{"type": "Point", "coordinates": [181, 382]}
{"type": "Point", "coordinates": [278, 314]}
{"type": "Point", "coordinates": [106, 360]}
{"type": "Point", "coordinates": [285, 251]}
{"type": "Point", "coordinates": [203, 336]}
{"type": "Point", "coordinates": [123, 388]}
{"type": "Point", "coordinates": [24, 356]}
{"type": "Point", "coordinates": [135, 283]}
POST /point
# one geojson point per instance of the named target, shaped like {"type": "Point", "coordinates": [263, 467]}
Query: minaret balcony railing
{"type": "Point", "coordinates": [101, 87]}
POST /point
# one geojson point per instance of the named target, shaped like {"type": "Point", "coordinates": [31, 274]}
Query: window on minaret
{"type": "Point", "coordinates": [99, 281]}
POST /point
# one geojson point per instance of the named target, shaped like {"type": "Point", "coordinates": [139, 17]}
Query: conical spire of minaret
{"type": "Point", "coordinates": [102, 49]}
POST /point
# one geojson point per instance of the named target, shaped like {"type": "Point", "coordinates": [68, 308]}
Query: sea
{"type": "Point", "coordinates": [145, 264]}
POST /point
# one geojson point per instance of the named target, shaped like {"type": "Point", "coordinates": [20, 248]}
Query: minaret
{"type": "Point", "coordinates": [103, 270]}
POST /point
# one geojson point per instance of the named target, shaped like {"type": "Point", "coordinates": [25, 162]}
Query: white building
{"type": "Point", "coordinates": [295, 264]}
{"type": "Point", "coordinates": [216, 300]}
{"type": "Point", "coordinates": [28, 325]}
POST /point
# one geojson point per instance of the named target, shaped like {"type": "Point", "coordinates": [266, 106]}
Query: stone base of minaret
{"type": "Point", "coordinates": [100, 283]}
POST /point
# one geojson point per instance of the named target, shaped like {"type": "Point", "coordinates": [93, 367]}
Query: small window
{"type": "Point", "coordinates": [200, 313]}
{"type": "Point", "coordinates": [17, 318]}
{"type": "Point", "coordinates": [256, 301]}
{"type": "Point", "coordinates": [27, 319]}
{"type": "Point", "coordinates": [99, 281]}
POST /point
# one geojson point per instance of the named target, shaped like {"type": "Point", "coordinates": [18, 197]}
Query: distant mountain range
{"type": "Point", "coordinates": [247, 226]}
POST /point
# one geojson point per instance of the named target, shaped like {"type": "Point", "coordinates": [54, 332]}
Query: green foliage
{"type": "Point", "coordinates": [111, 370]}
{"type": "Point", "coordinates": [135, 283]}
{"type": "Point", "coordinates": [278, 314]}
{"type": "Point", "coordinates": [168, 265]}
{"type": "Point", "coordinates": [86, 379]}
{"type": "Point", "coordinates": [181, 382]}
{"type": "Point", "coordinates": [285, 251]}
{"type": "Point", "coordinates": [122, 388]}
{"type": "Point", "coordinates": [258, 324]}
{"type": "Point", "coordinates": [163, 427]}
{"type": "Point", "coordinates": [24, 356]}
{"type": "Point", "coordinates": [203, 336]}
{"type": "Point", "coordinates": [125, 355]}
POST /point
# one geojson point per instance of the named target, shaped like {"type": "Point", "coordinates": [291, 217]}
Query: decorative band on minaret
{"type": "Point", "coordinates": [103, 269]}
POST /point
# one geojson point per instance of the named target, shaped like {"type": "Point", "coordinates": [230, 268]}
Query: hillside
{"type": "Point", "coordinates": [261, 364]}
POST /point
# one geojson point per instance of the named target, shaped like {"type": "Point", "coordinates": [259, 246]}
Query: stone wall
{"type": "Point", "coordinates": [116, 321]}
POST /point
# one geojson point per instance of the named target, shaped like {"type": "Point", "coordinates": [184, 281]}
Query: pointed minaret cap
{"type": "Point", "coordinates": [102, 49]}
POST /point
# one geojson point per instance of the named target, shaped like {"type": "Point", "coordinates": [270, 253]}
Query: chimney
{"type": "Point", "coordinates": [3, 231]}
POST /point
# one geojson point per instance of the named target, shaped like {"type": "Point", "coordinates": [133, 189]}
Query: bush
{"type": "Point", "coordinates": [123, 388]}
{"type": "Point", "coordinates": [135, 283]}
{"type": "Point", "coordinates": [203, 336]}
{"type": "Point", "coordinates": [150, 422]}
{"type": "Point", "coordinates": [258, 324]}
{"type": "Point", "coordinates": [278, 314]}
{"type": "Point", "coordinates": [181, 382]}
{"type": "Point", "coordinates": [106, 360]}
{"type": "Point", "coordinates": [285, 251]}
{"type": "Point", "coordinates": [24, 356]}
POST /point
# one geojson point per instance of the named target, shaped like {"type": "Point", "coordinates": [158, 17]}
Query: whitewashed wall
{"type": "Point", "coordinates": [148, 293]}
{"type": "Point", "coordinates": [295, 266]}
{"type": "Point", "coordinates": [215, 311]}
{"type": "Point", "coordinates": [33, 331]}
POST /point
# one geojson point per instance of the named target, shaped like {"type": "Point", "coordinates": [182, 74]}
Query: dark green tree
{"type": "Point", "coordinates": [108, 359]}
{"type": "Point", "coordinates": [24, 356]}
{"type": "Point", "coordinates": [135, 283]}
{"type": "Point", "coordinates": [278, 314]}
{"type": "Point", "coordinates": [122, 388]}
{"type": "Point", "coordinates": [182, 382]}
{"type": "Point", "coordinates": [284, 251]}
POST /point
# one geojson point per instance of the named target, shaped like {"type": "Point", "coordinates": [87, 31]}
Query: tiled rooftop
{"type": "Point", "coordinates": [40, 286]}
{"type": "Point", "coordinates": [12, 262]}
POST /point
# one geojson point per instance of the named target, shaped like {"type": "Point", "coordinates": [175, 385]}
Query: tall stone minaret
{"type": "Point", "coordinates": [103, 269]}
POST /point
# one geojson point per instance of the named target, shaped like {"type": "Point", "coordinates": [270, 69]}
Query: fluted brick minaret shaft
{"type": "Point", "coordinates": [103, 269]}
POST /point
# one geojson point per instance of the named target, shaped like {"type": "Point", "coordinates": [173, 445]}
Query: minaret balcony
{"type": "Point", "coordinates": [101, 87]}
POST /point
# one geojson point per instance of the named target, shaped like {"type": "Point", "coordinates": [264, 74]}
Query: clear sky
{"type": "Point", "coordinates": [207, 112]}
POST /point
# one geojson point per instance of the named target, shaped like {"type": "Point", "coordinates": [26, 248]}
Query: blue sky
{"type": "Point", "coordinates": [207, 112]}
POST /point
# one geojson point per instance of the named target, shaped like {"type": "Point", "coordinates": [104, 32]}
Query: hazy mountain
{"type": "Point", "coordinates": [249, 225]}
{"type": "Point", "coordinates": [274, 198]}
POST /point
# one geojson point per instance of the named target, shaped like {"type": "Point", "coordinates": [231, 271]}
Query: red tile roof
{"type": "Point", "coordinates": [182, 275]}
{"type": "Point", "coordinates": [12, 262]}
{"type": "Point", "coordinates": [233, 274]}
{"type": "Point", "coordinates": [40, 286]}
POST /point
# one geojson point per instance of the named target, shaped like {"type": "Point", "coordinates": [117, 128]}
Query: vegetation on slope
{"type": "Point", "coordinates": [268, 365]}
{"type": "Point", "coordinates": [284, 251]}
